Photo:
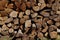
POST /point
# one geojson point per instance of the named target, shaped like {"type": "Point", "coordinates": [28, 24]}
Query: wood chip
{"type": "Point", "coordinates": [28, 4]}
{"type": "Point", "coordinates": [57, 23]}
{"type": "Point", "coordinates": [46, 14]}
{"type": "Point", "coordinates": [15, 26]}
{"type": "Point", "coordinates": [9, 20]}
{"type": "Point", "coordinates": [57, 19]}
{"type": "Point", "coordinates": [21, 14]}
{"type": "Point", "coordinates": [10, 6]}
{"type": "Point", "coordinates": [19, 31]}
{"type": "Point", "coordinates": [26, 17]}
{"type": "Point", "coordinates": [50, 22]}
{"type": "Point", "coordinates": [23, 7]}
{"type": "Point", "coordinates": [53, 34]}
{"type": "Point", "coordinates": [27, 12]}
{"type": "Point", "coordinates": [9, 25]}
{"type": "Point", "coordinates": [39, 4]}
{"type": "Point", "coordinates": [42, 6]}
{"type": "Point", "coordinates": [45, 30]}
{"type": "Point", "coordinates": [34, 15]}
{"type": "Point", "coordinates": [15, 32]}
{"type": "Point", "coordinates": [11, 30]}
{"type": "Point", "coordinates": [36, 8]}
{"type": "Point", "coordinates": [25, 37]}
{"type": "Point", "coordinates": [16, 21]}
{"type": "Point", "coordinates": [33, 25]}
{"type": "Point", "coordinates": [2, 22]}
{"type": "Point", "coordinates": [3, 18]}
{"type": "Point", "coordinates": [52, 28]}
{"type": "Point", "coordinates": [13, 14]}
{"type": "Point", "coordinates": [28, 23]}
{"type": "Point", "coordinates": [32, 35]}
{"type": "Point", "coordinates": [8, 10]}
{"type": "Point", "coordinates": [46, 34]}
{"type": "Point", "coordinates": [58, 30]}
{"type": "Point", "coordinates": [58, 12]}
{"type": "Point", "coordinates": [40, 35]}
{"type": "Point", "coordinates": [4, 27]}
{"type": "Point", "coordinates": [22, 21]}
{"type": "Point", "coordinates": [5, 33]}
{"type": "Point", "coordinates": [41, 1]}
{"type": "Point", "coordinates": [5, 13]}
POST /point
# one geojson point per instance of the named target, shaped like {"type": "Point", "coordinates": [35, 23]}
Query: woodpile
{"type": "Point", "coordinates": [29, 19]}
